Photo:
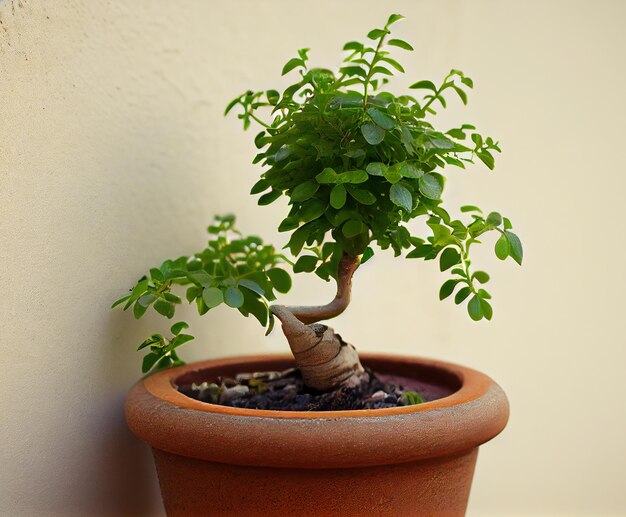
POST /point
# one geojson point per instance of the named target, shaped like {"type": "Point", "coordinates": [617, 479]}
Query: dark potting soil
{"type": "Point", "coordinates": [285, 391]}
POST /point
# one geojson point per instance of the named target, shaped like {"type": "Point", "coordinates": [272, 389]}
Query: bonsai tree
{"type": "Point", "coordinates": [357, 164]}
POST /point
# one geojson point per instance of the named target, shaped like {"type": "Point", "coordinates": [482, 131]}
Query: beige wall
{"type": "Point", "coordinates": [114, 155]}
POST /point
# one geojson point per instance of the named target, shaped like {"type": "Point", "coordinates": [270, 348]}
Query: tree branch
{"type": "Point", "coordinates": [315, 313]}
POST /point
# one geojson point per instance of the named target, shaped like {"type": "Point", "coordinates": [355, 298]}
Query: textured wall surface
{"type": "Point", "coordinates": [114, 155]}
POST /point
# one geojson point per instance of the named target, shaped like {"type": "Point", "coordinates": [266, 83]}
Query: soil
{"type": "Point", "coordinates": [285, 391]}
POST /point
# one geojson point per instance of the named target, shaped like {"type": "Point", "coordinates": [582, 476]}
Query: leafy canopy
{"type": "Point", "coordinates": [357, 163]}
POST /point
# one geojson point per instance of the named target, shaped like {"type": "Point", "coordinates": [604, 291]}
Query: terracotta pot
{"type": "Point", "coordinates": [406, 461]}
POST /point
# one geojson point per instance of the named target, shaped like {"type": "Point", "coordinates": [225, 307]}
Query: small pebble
{"type": "Point", "coordinates": [229, 394]}
{"type": "Point", "coordinates": [379, 395]}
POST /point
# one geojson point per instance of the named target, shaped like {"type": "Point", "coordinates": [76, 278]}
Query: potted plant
{"type": "Point", "coordinates": [325, 432]}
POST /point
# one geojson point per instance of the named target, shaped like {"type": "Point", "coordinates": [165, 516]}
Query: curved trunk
{"type": "Point", "coordinates": [325, 360]}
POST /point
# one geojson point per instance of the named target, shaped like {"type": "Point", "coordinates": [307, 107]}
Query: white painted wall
{"type": "Point", "coordinates": [114, 155]}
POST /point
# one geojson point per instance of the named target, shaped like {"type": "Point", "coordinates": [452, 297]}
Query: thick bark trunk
{"type": "Point", "coordinates": [325, 360]}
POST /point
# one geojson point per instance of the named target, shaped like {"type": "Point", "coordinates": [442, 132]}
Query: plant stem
{"type": "Point", "coordinates": [370, 73]}
{"type": "Point", "coordinates": [315, 313]}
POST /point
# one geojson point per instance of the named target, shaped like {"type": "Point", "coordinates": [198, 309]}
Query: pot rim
{"type": "Point", "coordinates": [162, 385]}
{"type": "Point", "coordinates": [168, 420]}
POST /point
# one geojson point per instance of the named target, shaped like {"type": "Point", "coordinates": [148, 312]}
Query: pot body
{"type": "Point", "coordinates": [406, 461]}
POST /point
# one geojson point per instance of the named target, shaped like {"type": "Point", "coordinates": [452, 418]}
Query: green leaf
{"type": "Point", "coordinates": [269, 198]}
{"type": "Point", "coordinates": [252, 286]}
{"type": "Point", "coordinates": [272, 97]}
{"type": "Point", "coordinates": [431, 185]}
{"type": "Point", "coordinates": [515, 250]}
{"type": "Point", "coordinates": [338, 196]}
{"type": "Point", "coordinates": [474, 308]}
{"type": "Point", "coordinates": [288, 224]}
{"type": "Point", "coordinates": [148, 361]}
{"type": "Point", "coordinates": [420, 251]}
{"type": "Point", "coordinates": [157, 275]}
{"type": "Point", "coordinates": [393, 174]}
{"type": "Point", "coordinates": [147, 299]}
{"type": "Point", "coordinates": [179, 340]}
{"type": "Point", "coordinates": [423, 85]}
{"type": "Point", "coordinates": [407, 139]}
{"type": "Point", "coordinates": [270, 323]}
{"type": "Point", "coordinates": [507, 223]}
{"type": "Point", "coordinates": [481, 277]}
{"type": "Point", "coordinates": [305, 264]}
{"type": "Point", "coordinates": [484, 294]}
{"type": "Point", "coordinates": [375, 34]}
{"type": "Point", "coordinates": [410, 170]}
{"type": "Point", "coordinates": [376, 169]}
{"type": "Point", "coordinates": [401, 196]}
{"type": "Point", "coordinates": [120, 300]}
{"type": "Point", "coordinates": [355, 177]}
{"type": "Point", "coordinates": [312, 210]}
{"type": "Point", "coordinates": [494, 219]}
{"type": "Point", "coordinates": [463, 293]}
{"type": "Point", "coordinates": [138, 290]}
{"type": "Point", "coordinates": [393, 18]}
{"type": "Point", "coordinates": [400, 43]}
{"type": "Point", "coordinates": [367, 254]}
{"type": "Point", "coordinates": [152, 340]}
{"type": "Point", "coordinates": [442, 143]}
{"type": "Point", "coordinates": [172, 298]}
{"type": "Point", "coordinates": [177, 327]}
{"type": "Point", "coordinates": [373, 134]}
{"type": "Point", "coordinates": [477, 139]}
{"type": "Point", "coordinates": [486, 158]}
{"type": "Point", "coordinates": [256, 307]}
{"type": "Point", "coordinates": [502, 247]}
{"type": "Point", "coordinates": [164, 362]}
{"type": "Point", "coordinates": [200, 278]}
{"type": "Point", "coordinates": [297, 240]}
{"type": "Point", "coordinates": [365, 197]}
{"type": "Point", "coordinates": [411, 398]}
{"type": "Point", "coordinates": [461, 94]}
{"type": "Point", "coordinates": [164, 308]}
{"type": "Point", "coordinates": [353, 45]}
{"type": "Point", "coordinates": [212, 296]}
{"type": "Point", "coordinates": [471, 208]}
{"type": "Point", "coordinates": [233, 297]}
{"type": "Point", "coordinates": [231, 105]}
{"type": "Point", "coordinates": [447, 288]}
{"type": "Point", "coordinates": [352, 228]}
{"type": "Point", "coordinates": [328, 175]}
{"type": "Point", "coordinates": [393, 63]}
{"type": "Point", "coordinates": [304, 191]}
{"type": "Point", "coordinates": [450, 257]}
{"type": "Point", "coordinates": [353, 70]}
{"type": "Point", "coordinates": [381, 120]}
{"type": "Point", "coordinates": [284, 152]}
{"type": "Point", "coordinates": [486, 309]}
{"type": "Point", "coordinates": [260, 186]}
{"type": "Point", "coordinates": [291, 64]}
{"type": "Point", "coordinates": [280, 279]}
{"type": "Point", "coordinates": [139, 310]}
{"type": "Point", "coordinates": [192, 293]}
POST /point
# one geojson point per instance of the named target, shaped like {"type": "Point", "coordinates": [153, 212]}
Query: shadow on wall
{"type": "Point", "coordinates": [106, 470]}
{"type": "Point", "coordinates": [129, 485]}
{"type": "Point", "coordinates": [116, 476]}
{"type": "Point", "coordinates": [126, 478]}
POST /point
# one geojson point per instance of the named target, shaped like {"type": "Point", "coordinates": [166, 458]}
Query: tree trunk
{"type": "Point", "coordinates": [325, 360]}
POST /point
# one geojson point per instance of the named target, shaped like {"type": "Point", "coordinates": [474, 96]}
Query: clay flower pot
{"type": "Point", "coordinates": [405, 461]}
